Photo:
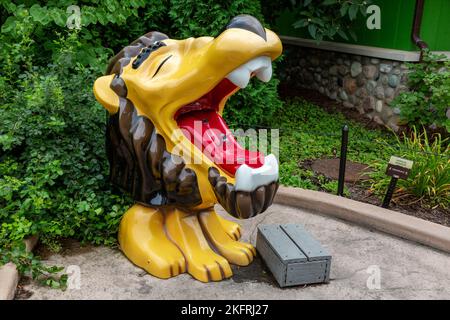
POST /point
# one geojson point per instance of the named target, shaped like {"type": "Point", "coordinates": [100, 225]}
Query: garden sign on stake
{"type": "Point", "coordinates": [397, 168]}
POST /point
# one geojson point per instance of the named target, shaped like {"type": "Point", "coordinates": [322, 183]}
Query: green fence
{"type": "Point", "coordinates": [396, 24]}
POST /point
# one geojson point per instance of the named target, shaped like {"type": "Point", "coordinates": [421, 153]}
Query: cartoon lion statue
{"type": "Point", "coordinates": [169, 147]}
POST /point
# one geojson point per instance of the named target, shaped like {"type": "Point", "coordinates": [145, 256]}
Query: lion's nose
{"type": "Point", "coordinates": [247, 22]}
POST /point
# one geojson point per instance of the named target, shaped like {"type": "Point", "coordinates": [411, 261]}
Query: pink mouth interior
{"type": "Point", "coordinates": [206, 129]}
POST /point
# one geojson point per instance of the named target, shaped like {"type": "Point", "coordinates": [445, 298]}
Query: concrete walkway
{"type": "Point", "coordinates": [407, 270]}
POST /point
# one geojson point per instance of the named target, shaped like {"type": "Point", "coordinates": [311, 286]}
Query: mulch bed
{"type": "Point", "coordinates": [330, 168]}
{"type": "Point", "coordinates": [357, 190]}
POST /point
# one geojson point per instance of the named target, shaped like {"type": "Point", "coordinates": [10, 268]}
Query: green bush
{"type": "Point", "coordinates": [429, 179]}
{"type": "Point", "coordinates": [429, 99]}
{"type": "Point", "coordinates": [324, 19]}
{"type": "Point", "coordinates": [53, 167]}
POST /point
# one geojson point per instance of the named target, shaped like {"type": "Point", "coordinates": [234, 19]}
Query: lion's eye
{"type": "Point", "coordinates": [146, 52]}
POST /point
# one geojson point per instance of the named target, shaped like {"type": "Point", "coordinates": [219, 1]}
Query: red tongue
{"type": "Point", "coordinates": [207, 129]}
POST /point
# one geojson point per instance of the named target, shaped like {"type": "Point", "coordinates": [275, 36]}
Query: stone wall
{"type": "Point", "coordinates": [366, 84]}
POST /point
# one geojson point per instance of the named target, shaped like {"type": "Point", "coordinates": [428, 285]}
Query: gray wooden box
{"type": "Point", "coordinates": [293, 255]}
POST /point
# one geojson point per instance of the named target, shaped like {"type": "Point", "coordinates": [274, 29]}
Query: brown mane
{"type": "Point", "coordinates": [139, 161]}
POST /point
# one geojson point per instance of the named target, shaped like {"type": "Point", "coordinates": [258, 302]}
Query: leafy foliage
{"type": "Point", "coordinates": [308, 132]}
{"type": "Point", "coordinates": [429, 179]}
{"type": "Point", "coordinates": [53, 168]}
{"type": "Point", "coordinates": [429, 99]}
{"type": "Point", "coordinates": [324, 19]}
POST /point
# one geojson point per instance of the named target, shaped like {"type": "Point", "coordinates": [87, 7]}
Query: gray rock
{"type": "Point", "coordinates": [322, 90]}
{"type": "Point", "coordinates": [355, 69]}
{"type": "Point", "coordinates": [400, 89]}
{"type": "Point", "coordinates": [317, 77]}
{"type": "Point", "coordinates": [362, 92]}
{"type": "Point", "coordinates": [369, 103]}
{"type": "Point", "coordinates": [397, 72]}
{"type": "Point", "coordinates": [343, 95]}
{"type": "Point", "coordinates": [375, 61]}
{"type": "Point", "coordinates": [343, 70]}
{"type": "Point", "coordinates": [333, 70]}
{"type": "Point", "coordinates": [353, 99]}
{"type": "Point", "coordinates": [404, 79]}
{"type": "Point", "coordinates": [385, 68]}
{"type": "Point", "coordinates": [379, 106]}
{"type": "Point", "coordinates": [370, 71]}
{"type": "Point", "coordinates": [361, 80]}
{"type": "Point", "coordinates": [384, 80]}
{"type": "Point", "coordinates": [389, 92]}
{"type": "Point", "coordinates": [370, 115]}
{"type": "Point", "coordinates": [333, 95]}
{"type": "Point", "coordinates": [396, 110]}
{"type": "Point", "coordinates": [378, 120]}
{"type": "Point", "coordinates": [395, 63]}
{"type": "Point", "coordinates": [370, 86]}
{"type": "Point", "coordinates": [393, 123]}
{"type": "Point", "coordinates": [403, 66]}
{"type": "Point", "coordinates": [339, 61]}
{"type": "Point", "coordinates": [393, 81]}
{"type": "Point", "coordinates": [347, 104]}
{"type": "Point", "coordinates": [379, 92]}
{"type": "Point", "coordinates": [386, 114]}
{"type": "Point", "coordinates": [347, 62]}
{"type": "Point", "coordinates": [360, 109]}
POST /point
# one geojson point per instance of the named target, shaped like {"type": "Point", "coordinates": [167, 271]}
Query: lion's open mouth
{"type": "Point", "coordinates": [202, 124]}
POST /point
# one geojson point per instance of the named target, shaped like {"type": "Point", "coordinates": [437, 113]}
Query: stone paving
{"type": "Point", "coordinates": [407, 270]}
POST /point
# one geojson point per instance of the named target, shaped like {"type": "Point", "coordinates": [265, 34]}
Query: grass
{"type": "Point", "coordinates": [309, 132]}
{"type": "Point", "coordinates": [429, 179]}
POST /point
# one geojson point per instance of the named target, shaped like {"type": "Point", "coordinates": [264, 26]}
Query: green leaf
{"type": "Point", "coordinates": [9, 24]}
{"type": "Point", "coordinates": [344, 9]}
{"type": "Point", "coordinates": [329, 2]}
{"type": "Point", "coordinates": [342, 34]}
{"type": "Point", "coordinates": [312, 28]}
{"type": "Point", "coordinates": [352, 11]}
{"type": "Point", "coordinates": [38, 13]}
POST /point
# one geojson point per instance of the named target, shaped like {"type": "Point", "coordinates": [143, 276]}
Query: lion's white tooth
{"type": "Point", "coordinates": [240, 76]}
{"type": "Point", "coordinates": [260, 66]}
{"type": "Point", "coordinates": [265, 74]}
{"type": "Point", "coordinates": [249, 179]}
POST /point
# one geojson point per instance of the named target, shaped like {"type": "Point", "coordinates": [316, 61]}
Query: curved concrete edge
{"type": "Point", "coordinates": [9, 276]}
{"type": "Point", "coordinates": [367, 215]}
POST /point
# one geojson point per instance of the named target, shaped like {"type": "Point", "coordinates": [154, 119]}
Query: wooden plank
{"type": "Point", "coordinates": [281, 244]}
{"type": "Point", "coordinates": [311, 248]}
{"type": "Point", "coordinates": [272, 261]}
{"type": "Point", "coordinates": [306, 272]}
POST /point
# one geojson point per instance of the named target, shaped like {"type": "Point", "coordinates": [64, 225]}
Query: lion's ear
{"type": "Point", "coordinates": [105, 95]}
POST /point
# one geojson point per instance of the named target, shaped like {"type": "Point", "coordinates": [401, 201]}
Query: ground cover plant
{"type": "Point", "coordinates": [53, 168]}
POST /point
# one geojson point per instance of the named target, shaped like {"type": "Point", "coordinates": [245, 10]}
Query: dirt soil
{"type": "Point", "coordinates": [357, 191]}
{"type": "Point", "coordinates": [330, 168]}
